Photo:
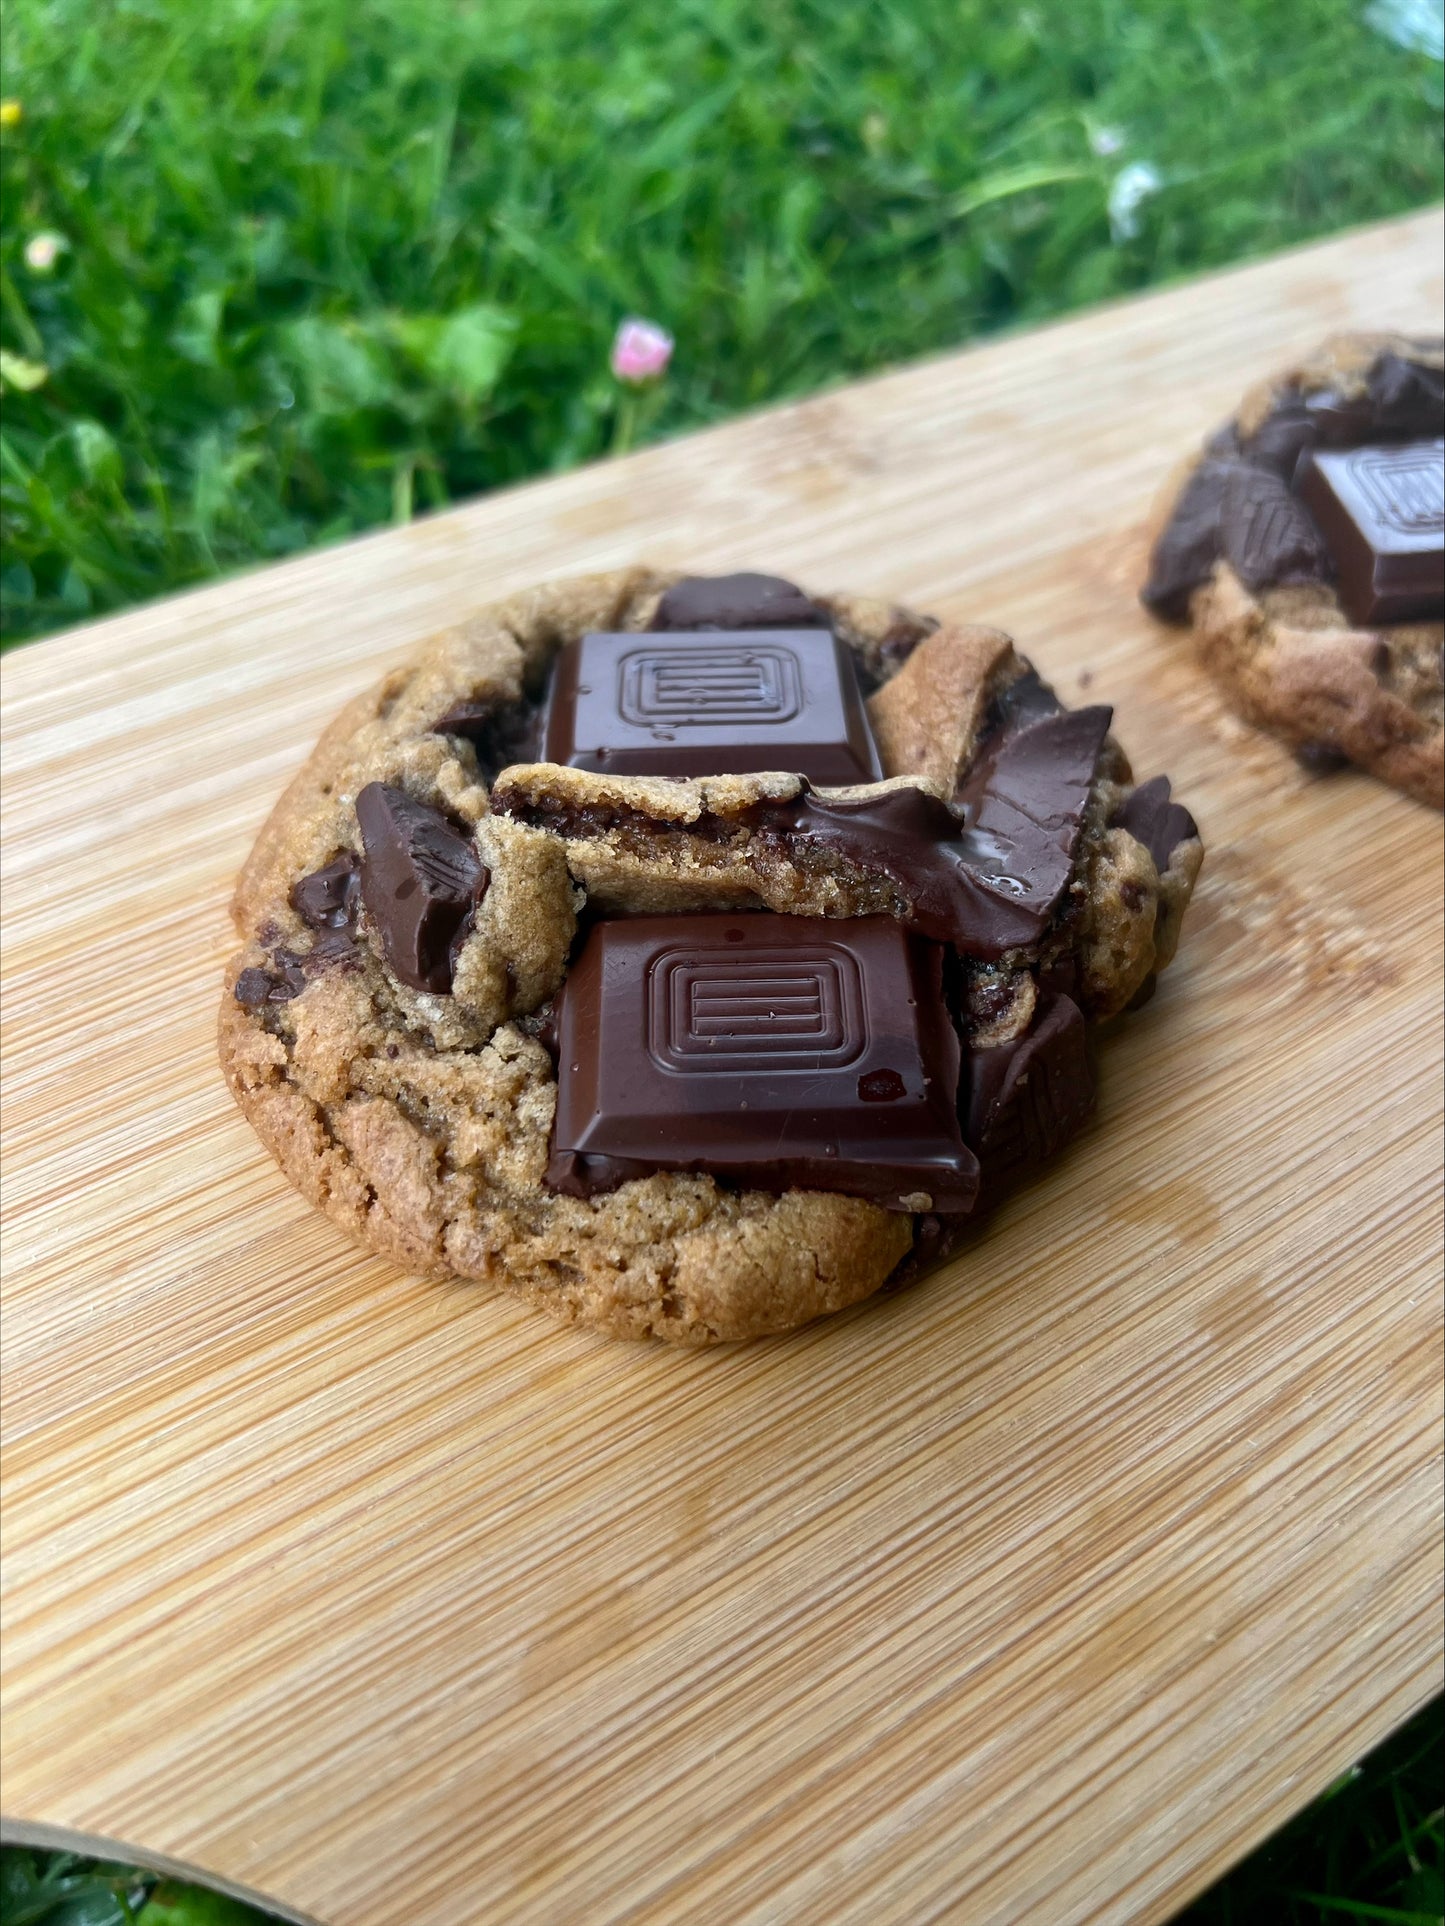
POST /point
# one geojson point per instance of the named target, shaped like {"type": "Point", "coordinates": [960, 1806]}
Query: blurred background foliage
{"type": "Point", "coordinates": [273, 272]}
{"type": "Point", "coordinates": [65, 1889]}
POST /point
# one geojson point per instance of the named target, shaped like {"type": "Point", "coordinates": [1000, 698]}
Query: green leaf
{"type": "Point", "coordinates": [95, 449]}
{"type": "Point", "coordinates": [18, 371]}
{"type": "Point", "coordinates": [341, 365]}
{"type": "Point", "coordinates": [171, 1905]}
{"type": "Point", "coordinates": [1425, 1891]}
{"type": "Point", "coordinates": [465, 352]}
{"type": "Point", "coordinates": [1014, 180]}
{"type": "Point", "coordinates": [197, 331]}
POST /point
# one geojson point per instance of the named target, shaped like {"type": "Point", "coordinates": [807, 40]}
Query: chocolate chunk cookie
{"type": "Point", "coordinates": [1304, 548]}
{"type": "Point", "coordinates": [690, 956]}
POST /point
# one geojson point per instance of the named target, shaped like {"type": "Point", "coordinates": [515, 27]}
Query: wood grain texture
{"type": "Point", "coordinates": [1037, 1593]}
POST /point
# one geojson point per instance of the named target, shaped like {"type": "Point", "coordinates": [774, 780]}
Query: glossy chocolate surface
{"type": "Point", "coordinates": [1152, 818]}
{"type": "Point", "coordinates": [986, 876]}
{"type": "Point", "coordinates": [1382, 510]}
{"type": "Point", "coordinates": [421, 883]}
{"type": "Point", "coordinates": [329, 897]}
{"type": "Point", "coordinates": [771, 1052]}
{"type": "Point", "coordinates": [1027, 1098]}
{"type": "Point", "coordinates": [743, 601]}
{"type": "Point", "coordinates": [987, 883]}
{"type": "Point", "coordinates": [711, 703]}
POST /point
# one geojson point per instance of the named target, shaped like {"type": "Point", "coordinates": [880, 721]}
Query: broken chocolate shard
{"type": "Point", "coordinates": [1023, 804]}
{"type": "Point", "coordinates": [1402, 400]}
{"type": "Point", "coordinates": [500, 733]}
{"type": "Point", "coordinates": [772, 1052]}
{"type": "Point", "coordinates": [1267, 535]}
{"type": "Point", "coordinates": [988, 880]}
{"type": "Point", "coordinates": [743, 601]}
{"type": "Point", "coordinates": [1407, 399]}
{"type": "Point", "coordinates": [711, 704]}
{"type": "Point", "coordinates": [421, 883]}
{"type": "Point", "coordinates": [1027, 699]}
{"type": "Point", "coordinates": [1382, 509]}
{"type": "Point", "coordinates": [1291, 426]}
{"type": "Point", "coordinates": [1156, 822]}
{"type": "Point", "coordinates": [1027, 1098]}
{"type": "Point", "coordinates": [332, 950]}
{"type": "Point", "coordinates": [285, 979]}
{"type": "Point", "coordinates": [253, 986]}
{"type": "Point", "coordinates": [1189, 544]}
{"type": "Point", "coordinates": [328, 898]}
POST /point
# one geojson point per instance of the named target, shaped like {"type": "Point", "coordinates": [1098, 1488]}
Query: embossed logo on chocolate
{"type": "Point", "coordinates": [1405, 487]}
{"type": "Point", "coordinates": [677, 688]}
{"type": "Point", "coordinates": [772, 1010]}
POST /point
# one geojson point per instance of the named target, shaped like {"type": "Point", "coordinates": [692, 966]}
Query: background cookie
{"type": "Point", "coordinates": [409, 912]}
{"type": "Point", "coordinates": [1304, 547]}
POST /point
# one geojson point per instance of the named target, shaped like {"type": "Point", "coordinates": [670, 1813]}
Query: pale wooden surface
{"type": "Point", "coordinates": [1036, 1594]}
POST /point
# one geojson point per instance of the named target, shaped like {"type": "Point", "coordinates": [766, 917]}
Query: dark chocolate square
{"type": "Point", "coordinates": [775, 1052]}
{"type": "Point", "coordinates": [1382, 512]}
{"type": "Point", "coordinates": [711, 703]}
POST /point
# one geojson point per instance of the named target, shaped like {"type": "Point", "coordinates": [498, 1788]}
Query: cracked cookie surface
{"type": "Point", "coordinates": [1241, 557]}
{"type": "Point", "coordinates": [401, 1067]}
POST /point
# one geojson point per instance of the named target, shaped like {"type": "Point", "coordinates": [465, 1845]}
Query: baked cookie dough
{"type": "Point", "coordinates": [439, 928]}
{"type": "Point", "coordinates": [1303, 547]}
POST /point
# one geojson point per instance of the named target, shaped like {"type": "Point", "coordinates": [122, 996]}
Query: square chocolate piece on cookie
{"type": "Point", "coordinates": [774, 1052]}
{"type": "Point", "coordinates": [1382, 512]}
{"type": "Point", "coordinates": [711, 703]}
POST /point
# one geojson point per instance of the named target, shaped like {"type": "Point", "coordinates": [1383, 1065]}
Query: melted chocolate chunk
{"type": "Point", "coordinates": [1028, 698]}
{"type": "Point", "coordinates": [1152, 819]}
{"type": "Point", "coordinates": [1282, 437]}
{"type": "Point", "coordinates": [1190, 543]}
{"type": "Point", "coordinates": [742, 601]}
{"type": "Point", "coordinates": [253, 987]}
{"type": "Point", "coordinates": [715, 704]}
{"type": "Point", "coordinates": [421, 883]}
{"type": "Point", "coordinates": [286, 978]}
{"type": "Point", "coordinates": [332, 950]}
{"type": "Point", "coordinates": [329, 898]}
{"type": "Point", "coordinates": [1023, 803]}
{"type": "Point", "coordinates": [1027, 1098]}
{"type": "Point", "coordinates": [1268, 537]}
{"type": "Point", "coordinates": [988, 883]}
{"type": "Point", "coordinates": [1403, 400]}
{"type": "Point", "coordinates": [1407, 399]}
{"type": "Point", "coordinates": [774, 1052]}
{"type": "Point", "coordinates": [987, 879]}
{"type": "Point", "coordinates": [1382, 509]}
{"type": "Point", "coordinates": [991, 881]}
{"type": "Point", "coordinates": [500, 734]}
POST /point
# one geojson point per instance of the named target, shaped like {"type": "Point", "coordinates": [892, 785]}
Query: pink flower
{"type": "Point", "coordinates": [641, 351]}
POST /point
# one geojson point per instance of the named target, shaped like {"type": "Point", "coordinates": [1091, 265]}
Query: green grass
{"type": "Point", "coordinates": [1371, 1850]}
{"type": "Point", "coordinates": [63, 1889]}
{"type": "Point", "coordinates": [330, 265]}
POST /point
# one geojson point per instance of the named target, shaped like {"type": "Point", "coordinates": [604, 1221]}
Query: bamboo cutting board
{"type": "Point", "coordinates": [1037, 1593]}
